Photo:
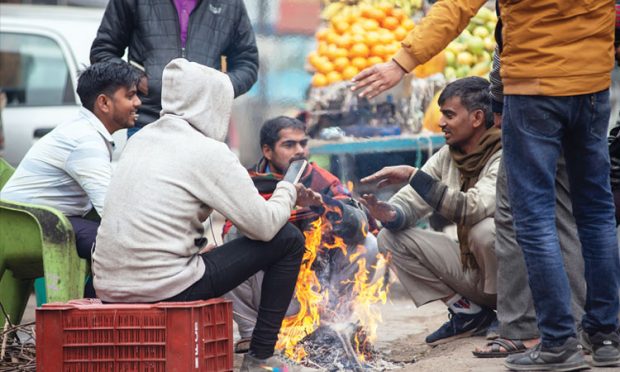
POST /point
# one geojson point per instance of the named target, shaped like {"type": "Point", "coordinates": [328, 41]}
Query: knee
{"type": "Point", "coordinates": [482, 235]}
{"type": "Point", "coordinates": [294, 238]}
{"type": "Point", "coordinates": [390, 242]}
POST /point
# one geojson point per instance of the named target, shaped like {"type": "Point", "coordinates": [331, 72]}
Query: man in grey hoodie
{"type": "Point", "coordinates": [170, 177]}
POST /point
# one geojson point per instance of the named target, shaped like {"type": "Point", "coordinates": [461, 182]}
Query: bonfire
{"type": "Point", "coordinates": [335, 333]}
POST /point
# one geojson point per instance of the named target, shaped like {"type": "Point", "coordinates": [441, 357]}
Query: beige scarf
{"type": "Point", "coordinates": [470, 165]}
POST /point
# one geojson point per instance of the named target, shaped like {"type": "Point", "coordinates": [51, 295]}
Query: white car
{"type": "Point", "coordinates": [42, 49]}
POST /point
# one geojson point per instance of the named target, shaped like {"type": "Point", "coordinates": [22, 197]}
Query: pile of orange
{"type": "Point", "coordinates": [354, 40]}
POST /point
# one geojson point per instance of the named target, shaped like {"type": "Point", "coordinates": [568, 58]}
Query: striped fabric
{"type": "Point", "coordinates": [497, 87]}
{"type": "Point", "coordinates": [68, 169]}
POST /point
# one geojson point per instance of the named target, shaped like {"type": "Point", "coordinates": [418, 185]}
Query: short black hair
{"type": "Point", "coordinates": [105, 78]}
{"type": "Point", "coordinates": [474, 94]}
{"type": "Point", "coordinates": [270, 131]}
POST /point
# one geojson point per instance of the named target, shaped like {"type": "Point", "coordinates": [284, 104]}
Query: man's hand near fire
{"type": "Point", "coordinates": [307, 197]}
{"type": "Point", "coordinates": [380, 210]}
{"type": "Point", "coordinates": [391, 175]}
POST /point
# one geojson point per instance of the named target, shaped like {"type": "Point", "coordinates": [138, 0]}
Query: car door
{"type": "Point", "coordinates": [37, 74]}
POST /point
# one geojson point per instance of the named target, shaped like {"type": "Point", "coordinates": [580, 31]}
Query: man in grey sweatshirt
{"type": "Point", "coordinates": [169, 179]}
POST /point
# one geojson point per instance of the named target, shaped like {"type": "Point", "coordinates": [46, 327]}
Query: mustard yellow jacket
{"type": "Point", "coordinates": [551, 47]}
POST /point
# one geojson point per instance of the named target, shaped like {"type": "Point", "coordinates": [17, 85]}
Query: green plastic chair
{"type": "Point", "coordinates": [36, 241]}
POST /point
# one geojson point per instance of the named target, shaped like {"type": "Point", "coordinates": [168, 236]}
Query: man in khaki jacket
{"type": "Point", "coordinates": [556, 67]}
{"type": "Point", "coordinates": [457, 182]}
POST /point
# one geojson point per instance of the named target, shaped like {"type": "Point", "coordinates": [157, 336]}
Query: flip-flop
{"type": "Point", "coordinates": [510, 347]}
{"type": "Point", "coordinates": [242, 346]}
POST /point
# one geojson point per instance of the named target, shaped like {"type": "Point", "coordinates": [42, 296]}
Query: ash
{"type": "Point", "coordinates": [332, 347]}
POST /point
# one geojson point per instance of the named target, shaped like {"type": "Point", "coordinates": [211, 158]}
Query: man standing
{"type": "Point", "coordinates": [457, 182]}
{"type": "Point", "coordinates": [150, 245]}
{"type": "Point", "coordinates": [69, 168]}
{"type": "Point", "coordinates": [282, 140]}
{"type": "Point", "coordinates": [157, 31]}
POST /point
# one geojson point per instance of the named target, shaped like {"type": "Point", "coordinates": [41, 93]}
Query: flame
{"type": "Point", "coordinates": [350, 186]}
{"type": "Point", "coordinates": [313, 299]}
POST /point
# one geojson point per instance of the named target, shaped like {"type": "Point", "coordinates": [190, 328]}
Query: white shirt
{"type": "Point", "coordinates": [68, 169]}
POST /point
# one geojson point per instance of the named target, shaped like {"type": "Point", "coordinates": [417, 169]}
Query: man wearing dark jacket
{"type": "Point", "coordinates": [157, 31]}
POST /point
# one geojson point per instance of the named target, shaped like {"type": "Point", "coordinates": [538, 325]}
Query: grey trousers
{"type": "Point", "coordinates": [515, 308]}
{"type": "Point", "coordinates": [246, 297]}
{"type": "Point", "coordinates": [428, 263]}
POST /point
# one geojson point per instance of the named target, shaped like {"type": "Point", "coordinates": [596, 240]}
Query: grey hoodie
{"type": "Point", "coordinates": [171, 176]}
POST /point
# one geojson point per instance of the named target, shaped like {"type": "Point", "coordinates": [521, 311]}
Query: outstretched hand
{"type": "Point", "coordinates": [391, 175]}
{"type": "Point", "coordinates": [307, 197]}
{"type": "Point", "coordinates": [380, 210]}
{"type": "Point", "coordinates": [378, 78]}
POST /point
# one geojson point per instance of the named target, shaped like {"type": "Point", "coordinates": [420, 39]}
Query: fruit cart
{"type": "Point", "coordinates": [354, 137]}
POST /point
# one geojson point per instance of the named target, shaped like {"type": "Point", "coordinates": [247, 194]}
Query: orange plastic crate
{"type": "Point", "coordinates": [166, 337]}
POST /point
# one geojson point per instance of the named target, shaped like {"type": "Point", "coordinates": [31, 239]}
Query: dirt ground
{"type": "Point", "coordinates": [401, 339]}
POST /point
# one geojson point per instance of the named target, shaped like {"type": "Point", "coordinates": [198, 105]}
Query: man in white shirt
{"type": "Point", "coordinates": [70, 168]}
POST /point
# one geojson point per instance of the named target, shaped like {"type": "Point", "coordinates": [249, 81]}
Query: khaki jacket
{"type": "Point", "coordinates": [551, 47]}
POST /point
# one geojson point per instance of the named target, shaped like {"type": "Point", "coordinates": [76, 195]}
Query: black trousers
{"type": "Point", "coordinates": [232, 263]}
{"type": "Point", "coordinates": [85, 233]}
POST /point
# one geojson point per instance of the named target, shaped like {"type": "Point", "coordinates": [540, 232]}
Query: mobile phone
{"type": "Point", "coordinates": [295, 171]}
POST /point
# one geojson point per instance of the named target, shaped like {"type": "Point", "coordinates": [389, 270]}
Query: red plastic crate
{"type": "Point", "coordinates": [166, 337]}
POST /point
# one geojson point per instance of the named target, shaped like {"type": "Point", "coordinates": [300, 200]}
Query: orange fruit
{"type": "Point", "coordinates": [319, 80]}
{"type": "Point", "coordinates": [400, 33]}
{"type": "Point", "coordinates": [349, 72]}
{"type": "Point", "coordinates": [344, 41]}
{"type": "Point", "coordinates": [325, 66]}
{"type": "Point", "coordinates": [391, 49]}
{"type": "Point", "coordinates": [376, 14]}
{"type": "Point", "coordinates": [321, 34]}
{"type": "Point", "coordinates": [365, 10]}
{"type": "Point", "coordinates": [333, 77]}
{"type": "Point", "coordinates": [357, 28]}
{"type": "Point", "coordinates": [378, 50]}
{"type": "Point", "coordinates": [341, 26]}
{"type": "Point", "coordinates": [359, 63]}
{"type": "Point", "coordinates": [374, 60]}
{"type": "Point", "coordinates": [341, 63]}
{"type": "Point", "coordinates": [398, 13]}
{"type": "Point", "coordinates": [370, 24]}
{"type": "Point", "coordinates": [390, 23]}
{"type": "Point", "coordinates": [372, 38]}
{"type": "Point", "coordinates": [322, 48]}
{"type": "Point", "coordinates": [331, 36]}
{"type": "Point", "coordinates": [359, 50]}
{"type": "Point", "coordinates": [407, 24]}
{"type": "Point", "coordinates": [332, 52]}
{"type": "Point", "coordinates": [386, 37]}
{"type": "Point", "coordinates": [358, 38]}
{"type": "Point", "coordinates": [386, 7]}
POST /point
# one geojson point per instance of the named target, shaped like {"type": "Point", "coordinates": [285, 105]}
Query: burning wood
{"type": "Point", "coordinates": [335, 330]}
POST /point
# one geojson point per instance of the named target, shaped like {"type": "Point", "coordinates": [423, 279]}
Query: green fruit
{"type": "Point", "coordinates": [489, 43]}
{"type": "Point", "coordinates": [475, 45]}
{"type": "Point", "coordinates": [450, 57]}
{"type": "Point", "coordinates": [464, 59]}
{"type": "Point", "coordinates": [462, 71]}
{"type": "Point", "coordinates": [481, 32]}
{"type": "Point", "coordinates": [484, 57]}
{"type": "Point", "coordinates": [450, 73]}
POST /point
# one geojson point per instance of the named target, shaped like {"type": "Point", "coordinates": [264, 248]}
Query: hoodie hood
{"type": "Point", "coordinates": [198, 94]}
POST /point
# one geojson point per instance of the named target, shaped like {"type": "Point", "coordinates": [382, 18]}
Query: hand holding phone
{"type": "Point", "coordinates": [295, 171]}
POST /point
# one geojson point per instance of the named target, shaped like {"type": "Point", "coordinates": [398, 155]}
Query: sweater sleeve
{"type": "Point", "coordinates": [443, 23]}
{"type": "Point", "coordinates": [409, 205]}
{"type": "Point", "coordinates": [233, 194]}
{"type": "Point", "coordinates": [497, 87]}
{"type": "Point", "coordinates": [462, 207]}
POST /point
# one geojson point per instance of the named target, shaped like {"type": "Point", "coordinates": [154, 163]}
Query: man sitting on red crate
{"type": "Point", "coordinates": [172, 175]}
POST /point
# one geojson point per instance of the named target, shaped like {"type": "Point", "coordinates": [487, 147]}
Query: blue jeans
{"type": "Point", "coordinates": [535, 131]}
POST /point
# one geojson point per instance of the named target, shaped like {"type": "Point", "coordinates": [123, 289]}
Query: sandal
{"type": "Point", "coordinates": [494, 348]}
{"type": "Point", "coordinates": [242, 346]}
